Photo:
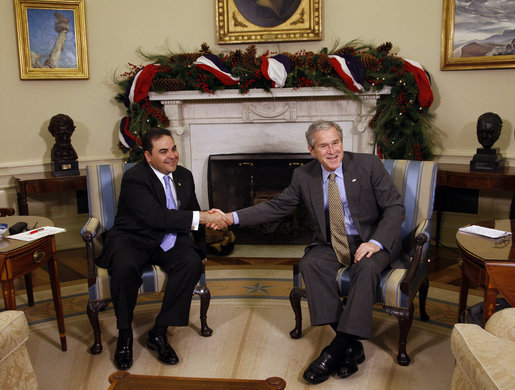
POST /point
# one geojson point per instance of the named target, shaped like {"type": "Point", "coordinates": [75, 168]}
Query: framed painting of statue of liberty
{"type": "Point", "coordinates": [51, 39]}
{"type": "Point", "coordinates": [239, 21]}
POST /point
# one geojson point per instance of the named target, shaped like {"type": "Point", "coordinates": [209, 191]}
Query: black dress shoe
{"type": "Point", "coordinates": [165, 352]}
{"type": "Point", "coordinates": [354, 355]}
{"type": "Point", "coordinates": [123, 354]}
{"type": "Point", "coordinates": [322, 368]}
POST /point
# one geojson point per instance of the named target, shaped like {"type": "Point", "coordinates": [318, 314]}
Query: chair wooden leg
{"type": "Point", "coordinates": [422, 297]}
{"type": "Point", "coordinates": [405, 318]}
{"type": "Point", "coordinates": [29, 289]}
{"type": "Point", "coordinates": [205, 299]}
{"type": "Point", "coordinates": [296, 294]}
{"type": "Point", "coordinates": [93, 308]}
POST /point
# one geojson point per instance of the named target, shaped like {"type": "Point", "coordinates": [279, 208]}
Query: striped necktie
{"type": "Point", "coordinates": [337, 223]}
{"type": "Point", "coordinates": [169, 239]}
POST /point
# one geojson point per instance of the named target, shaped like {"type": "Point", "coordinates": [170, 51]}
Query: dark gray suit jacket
{"type": "Point", "coordinates": [375, 204]}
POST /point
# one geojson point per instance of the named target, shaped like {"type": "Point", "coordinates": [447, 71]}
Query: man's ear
{"type": "Point", "coordinates": [147, 156]}
{"type": "Point", "coordinates": [312, 151]}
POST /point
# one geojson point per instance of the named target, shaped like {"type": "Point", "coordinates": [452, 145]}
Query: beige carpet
{"type": "Point", "coordinates": [250, 341]}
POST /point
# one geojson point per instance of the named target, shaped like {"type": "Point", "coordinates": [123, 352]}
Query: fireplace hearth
{"type": "Point", "coordinates": [236, 181]}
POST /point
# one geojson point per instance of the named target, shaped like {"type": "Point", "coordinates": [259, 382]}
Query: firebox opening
{"type": "Point", "coordinates": [236, 181]}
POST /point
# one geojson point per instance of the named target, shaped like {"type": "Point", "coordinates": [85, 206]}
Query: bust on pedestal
{"type": "Point", "coordinates": [63, 155]}
{"type": "Point", "coordinates": [489, 127]}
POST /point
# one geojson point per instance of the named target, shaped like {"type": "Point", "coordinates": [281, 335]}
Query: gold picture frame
{"type": "Point", "coordinates": [240, 21]}
{"type": "Point", "coordinates": [464, 48]}
{"type": "Point", "coordinates": [51, 39]}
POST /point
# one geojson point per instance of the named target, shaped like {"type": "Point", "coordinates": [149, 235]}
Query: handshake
{"type": "Point", "coordinates": [216, 219]}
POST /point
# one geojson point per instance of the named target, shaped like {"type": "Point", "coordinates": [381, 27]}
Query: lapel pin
{"type": "Point", "coordinates": [179, 184]}
{"type": "Point", "coordinates": [353, 180]}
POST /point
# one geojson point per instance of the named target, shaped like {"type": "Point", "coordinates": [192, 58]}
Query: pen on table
{"type": "Point", "coordinates": [37, 230]}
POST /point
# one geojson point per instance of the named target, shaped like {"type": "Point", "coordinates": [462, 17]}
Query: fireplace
{"type": "Point", "coordinates": [261, 122]}
{"type": "Point", "coordinates": [241, 180]}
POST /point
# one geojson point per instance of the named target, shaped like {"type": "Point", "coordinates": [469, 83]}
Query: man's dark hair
{"type": "Point", "coordinates": [152, 134]}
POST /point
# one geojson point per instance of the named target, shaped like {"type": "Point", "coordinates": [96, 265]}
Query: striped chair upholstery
{"type": "Point", "coordinates": [416, 182]}
{"type": "Point", "coordinates": [103, 182]}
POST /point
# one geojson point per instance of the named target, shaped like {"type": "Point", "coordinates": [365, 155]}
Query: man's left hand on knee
{"type": "Point", "coordinates": [366, 249]}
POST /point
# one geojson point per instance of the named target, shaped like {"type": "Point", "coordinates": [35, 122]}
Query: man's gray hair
{"type": "Point", "coordinates": [321, 125]}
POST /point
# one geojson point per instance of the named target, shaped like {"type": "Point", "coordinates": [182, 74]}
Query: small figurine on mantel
{"type": "Point", "coordinates": [489, 127]}
{"type": "Point", "coordinates": [63, 155]}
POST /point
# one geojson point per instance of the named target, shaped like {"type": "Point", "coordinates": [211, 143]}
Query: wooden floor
{"type": "Point", "coordinates": [443, 268]}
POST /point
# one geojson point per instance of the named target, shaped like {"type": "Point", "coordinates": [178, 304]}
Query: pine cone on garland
{"type": "Point", "coordinates": [168, 85]}
{"type": "Point", "coordinates": [385, 47]}
{"type": "Point", "coordinates": [310, 61]}
{"type": "Point", "coordinates": [370, 62]}
{"type": "Point", "coordinates": [235, 57]}
{"type": "Point", "coordinates": [294, 59]}
{"type": "Point", "coordinates": [345, 51]}
{"type": "Point", "coordinates": [205, 49]}
{"type": "Point", "coordinates": [249, 58]}
{"type": "Point", "coordinates": [324, 64]}
{"type": "Point", "coordinates": [184, 58]}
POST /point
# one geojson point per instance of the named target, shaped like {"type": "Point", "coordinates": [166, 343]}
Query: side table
{"type": "Point", "coordinates": [35, 183]}
{"type": "Point", "coordinates": [19, 258]}
{"type": "Point", "coordinates": [481, 257]}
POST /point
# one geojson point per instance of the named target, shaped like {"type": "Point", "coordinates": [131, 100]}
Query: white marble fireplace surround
{"type": "Point", "coordinates": [260, 122]}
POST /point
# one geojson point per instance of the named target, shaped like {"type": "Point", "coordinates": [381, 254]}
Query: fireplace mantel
{"type": "Point", "coordinates": [261, 122]}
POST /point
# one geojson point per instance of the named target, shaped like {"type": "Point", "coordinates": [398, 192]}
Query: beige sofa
{"type": "Point", "coordinates": [16, 371]}
{"type": "Point", "coordinates": [485, 358]}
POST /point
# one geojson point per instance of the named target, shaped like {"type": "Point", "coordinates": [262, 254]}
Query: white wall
{"type": "Point", "coordinates": [117, 28]}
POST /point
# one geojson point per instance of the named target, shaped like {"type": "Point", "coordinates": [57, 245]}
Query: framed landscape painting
{"type": "Point", "coordinates": [239, 21]}
{"type": "Point", "coordinates": [478, 35]}
{"type": "Point", "coordinates": [51, 39]}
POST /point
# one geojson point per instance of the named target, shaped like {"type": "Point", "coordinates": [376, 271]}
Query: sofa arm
{"type": "Point", "coordinates": [502, 324]}
{"type": "Point", "coordinates": [487, 361]}
{"type": "Point", "coordinates": [88, 232]}
{"type": "Point", "coordinates": [90, 228]}
{"type": "Point", "coordinates": [16, 370]}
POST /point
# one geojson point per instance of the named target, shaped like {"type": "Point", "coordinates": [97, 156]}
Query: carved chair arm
{"type": "Point", "coordinates": [418, 267]}
{"type": "Point", "coordinates": [88, 232]}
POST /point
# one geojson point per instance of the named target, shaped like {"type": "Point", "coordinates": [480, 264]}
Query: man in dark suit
{"type": "Point", "coordinates": [157, 222]}
{"type": "Point", "coordinates": [372, 216]}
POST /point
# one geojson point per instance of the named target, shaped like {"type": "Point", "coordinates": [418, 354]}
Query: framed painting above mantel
{"type": "Point", "coordinates": [478, 35]}
{"type": "Point", "coordinates": [240, 21]}
{"type": "Point", "coordinates": [51, 39]}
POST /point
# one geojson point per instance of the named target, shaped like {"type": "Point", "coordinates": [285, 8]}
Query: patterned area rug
{"type": "Point", "coordinates": [226, 283]}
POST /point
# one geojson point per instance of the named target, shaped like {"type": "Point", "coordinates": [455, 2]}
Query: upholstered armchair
{"type": "Point", "coordinates": [485, 358]}
{"type": "Point", "coordinates": [16, 371]}
{"type": "Point", "coordinates": [103, 182]}
{"type": "Point", "coordinates": [416, 181]}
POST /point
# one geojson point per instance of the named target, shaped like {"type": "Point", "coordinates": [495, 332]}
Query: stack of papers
{"type": "Point", "coordinates": [483, 231]}
{"type": "Point", "coordinates": [35, 234]}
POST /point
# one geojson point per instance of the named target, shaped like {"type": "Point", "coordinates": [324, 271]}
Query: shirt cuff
{"type": "Point", "coordinates": [377, 243]}
{"type": "Point", "coordinates": [236, 218]}
{"type": "Point", "coordinates": [195, 220]}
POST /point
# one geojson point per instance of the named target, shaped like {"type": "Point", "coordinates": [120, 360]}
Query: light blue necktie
{"type": "Point", "coordinates": [169, 240]}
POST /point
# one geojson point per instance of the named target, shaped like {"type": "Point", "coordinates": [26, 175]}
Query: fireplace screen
{"type": "Point", "coordinates": [236, 181]}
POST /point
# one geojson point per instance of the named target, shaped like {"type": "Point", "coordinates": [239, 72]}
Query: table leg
{"type": "Point", "coordinates": [58, 303]}
{"type": "Point", "coordinates": [464, 289]}
{"type": "Point", "coordinates": [29, 289]}
{"type": "Point", "coordinates": [490, 302]}
{"type": "Point", "coordinates": [21, 194]}
{"type": "Point", "coordinates": [8, 293]}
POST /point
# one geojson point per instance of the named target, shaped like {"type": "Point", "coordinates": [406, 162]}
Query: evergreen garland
{"type": "Point", "coordinates": [402, 127]}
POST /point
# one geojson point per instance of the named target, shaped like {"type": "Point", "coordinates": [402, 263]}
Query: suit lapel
{"type": "Point", "coordinates": [178, 180]}
{"type": "Point", "coordinates": [351, 181]}
{"type": "Point", "coordinates": [317, 197]}
{"type": "Point", "coordinates": [157, 186]}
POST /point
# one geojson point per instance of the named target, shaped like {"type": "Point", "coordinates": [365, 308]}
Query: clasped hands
{"type": "Point", "coordinates": [216, 219]}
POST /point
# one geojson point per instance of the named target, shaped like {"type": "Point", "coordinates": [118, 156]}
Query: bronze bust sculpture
{"type": "Point", "coordinates": [489, 127]}
{"type": "Point", "coordinates": [63, 155]}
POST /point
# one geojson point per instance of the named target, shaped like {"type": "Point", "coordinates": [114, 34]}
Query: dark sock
{"type": "Point", "coordinates": [334, 325]}
{"type": "Point", "coordinates": [124, 334]}
{"type": "Point", "coordinates": [339, 344]}
{"type": "Point", "coordinates": [159, 330]}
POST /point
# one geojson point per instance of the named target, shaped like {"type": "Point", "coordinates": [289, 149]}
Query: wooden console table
{"type": "Point", "coordinates": [488, 263]}
{"type": "Point", "coordinates": [460, 176]}
{"type": "Point", "coordinates": [36, 183]}
{"type": "Point", "coordinates": [124, 380]}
